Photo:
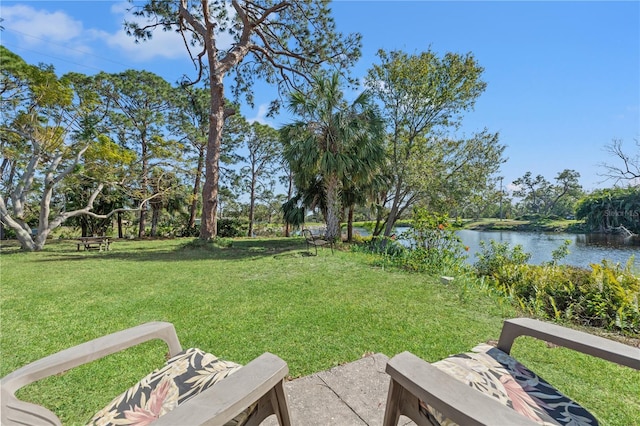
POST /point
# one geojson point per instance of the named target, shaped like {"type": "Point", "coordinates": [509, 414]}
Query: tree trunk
{"type": "Point", "coordinates": [142, 223]}
{"type": "Point", "coordinates": [119, 224]}
{"type": "Point", "coordinates": [196, 190]}
{"type": "Point", "coordinates": [252, 205]}
{"type": "Point", "coordinates": [145, 185]}
{"type": "Point", "coordinates": [333, 208]}
{"type": "Point", "coordinates": [350, 224]}
{"type": "Point", "coordinates": [26, 241]}
{"type": "Point", "coordinates": [393, 217]}
{"type": "Point", "coordinates": [154, 220]}
{"type": "Point", "coordinates": [287, 225]}
{"type": "Point", "coordinates": [393, 213]}
{"type": "Point", "coordinates": [208, 225]}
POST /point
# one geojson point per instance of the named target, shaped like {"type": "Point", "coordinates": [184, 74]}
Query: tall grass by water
{"type": "Point", "coordinates": [254, 296]}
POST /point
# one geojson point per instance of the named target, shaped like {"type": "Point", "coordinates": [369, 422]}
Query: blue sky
{"type": "Point", "coordinates": [563, 77]}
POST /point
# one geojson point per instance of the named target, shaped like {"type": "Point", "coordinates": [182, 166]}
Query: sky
{"type": "Point", "coordinates": [563, 77]}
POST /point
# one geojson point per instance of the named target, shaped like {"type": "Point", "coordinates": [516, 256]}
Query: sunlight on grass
{"type": "Point", "coordinates": [256, 295]}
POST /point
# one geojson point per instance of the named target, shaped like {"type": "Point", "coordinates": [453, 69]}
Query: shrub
{"type": "Point", "coordinates": [232, 227]}
{"type": "Point", "coordinates": [436, 247]}
{"type": "Point", "coordinates": [494, 258]}
{"type": "Point", "coordinates": [611, 297]}
{"type": "Point", "coordinates": [214, 244]}
{"type": "Point", "coordinates": [384, 245]}
{"type": "Point", "coordinates": [607, 296]}
{"type": "Point", "coordinates": [550, 291]}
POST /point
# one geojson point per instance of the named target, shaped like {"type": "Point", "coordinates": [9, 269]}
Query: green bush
{"type": "Point", "coordinates": [437, 249]}
{"type": "Point", "coordinates": [550, 291]}
{"type": "Point", "coordinates": [605, 296]}
{"type": "Point", "coordinates": [232, 227]}
{"type": "Point", "coordinates": [611, 297]}
{"type": "Point", "coordinates": [493, 258]}
{"type": "Point", "coordinates": [8, 234]}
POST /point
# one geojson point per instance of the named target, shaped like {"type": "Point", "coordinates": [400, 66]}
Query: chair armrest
{"type": "Point", "coordinates": [229, 397]}
{"type": "Point", "coordinates": [573, 339]}
{"type": "Point", "coordinates": [90, 351]}
{"type": "Point", "coordinates": [455, 400]}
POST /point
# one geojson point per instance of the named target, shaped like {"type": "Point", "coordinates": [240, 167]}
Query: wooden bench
{"type": "Point", "coordinates": [315, 241]}
{"type": "Point", "coordinates": [91, 243]}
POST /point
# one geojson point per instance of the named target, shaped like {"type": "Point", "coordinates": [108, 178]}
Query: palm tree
{"type": "Point", "coordinates": [332, 141]}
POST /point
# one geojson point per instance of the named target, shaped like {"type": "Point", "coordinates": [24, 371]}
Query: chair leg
{"type": "Point", "coordinates": [281, 407]}
{"type": "Point", "coordinates": [392, 411]}
{"type": "Point", "coordinates": [273, 402]}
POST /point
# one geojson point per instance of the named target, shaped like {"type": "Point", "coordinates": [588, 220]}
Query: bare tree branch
{"type": "Point", "coordinates": [630, 168]}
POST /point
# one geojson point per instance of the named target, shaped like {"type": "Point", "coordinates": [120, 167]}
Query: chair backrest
{"type": "Point", "coordinates": [415, 381]}
{"type": "Point", "coordinates": [13, 411]}
{"type": "Point", "coordinates": [307, 234]}
{"type": "Point", "coordinates": [258, 387]}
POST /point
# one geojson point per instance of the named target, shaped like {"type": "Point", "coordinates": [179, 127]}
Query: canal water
{"type": "Point", "coordinates": [584, 249]}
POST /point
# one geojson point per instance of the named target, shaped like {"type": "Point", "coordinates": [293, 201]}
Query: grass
{"type": "Point", "coordinates": [257, 295]}
{"type": "Point", "coordinates": [542, 225]}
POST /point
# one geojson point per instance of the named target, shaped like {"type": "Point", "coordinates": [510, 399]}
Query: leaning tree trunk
{"type": "Point", "coordinates": [393, 213]}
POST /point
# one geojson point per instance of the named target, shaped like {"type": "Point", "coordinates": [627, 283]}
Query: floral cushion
{"type": "Point", "coordinates": [181, 378]}
{"type": "Point", "coordinates": [494, 373]}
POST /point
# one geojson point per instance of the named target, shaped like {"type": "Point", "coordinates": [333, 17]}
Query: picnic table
{"type": "Point", "coordinates": [90, 243]}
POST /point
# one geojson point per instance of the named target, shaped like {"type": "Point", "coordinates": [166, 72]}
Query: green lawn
{"type": "Point", "coordinates": [259, 295]}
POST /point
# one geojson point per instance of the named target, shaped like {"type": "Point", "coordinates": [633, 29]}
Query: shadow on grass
{"type": "Point", "coordinates": [191, 250]}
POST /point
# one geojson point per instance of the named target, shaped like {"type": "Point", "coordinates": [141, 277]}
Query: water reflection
{"type": "Point", "coordinates": [584, 249]}
{"type": "Point", "coordinates": [608, 240]}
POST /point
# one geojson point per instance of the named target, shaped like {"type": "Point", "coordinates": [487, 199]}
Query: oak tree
{"type": "Point", "coordinates": [422, 96]}
{"type": "Point", "coordinates": [48, 125]}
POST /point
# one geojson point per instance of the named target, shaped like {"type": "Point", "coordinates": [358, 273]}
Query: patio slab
{"type": "Point", "coordinates": [353, 394]}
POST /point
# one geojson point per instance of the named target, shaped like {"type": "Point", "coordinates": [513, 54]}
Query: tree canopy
{"type": "Point", "coordinates": [540, 196]}
{"type": "Point", "coordinates": [423, 96]}
{"type": "Point", "coordinates": [48, 124]}
{"type": "Point", "coordinates": [332, 141]}
{"type": "Point", "coordinates": [281, 42]}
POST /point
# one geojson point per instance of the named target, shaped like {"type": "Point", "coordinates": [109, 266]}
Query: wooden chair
{"type": "Point", "coordinates": [489, 387]}
{"type": "Point", "coordinates": [224, 392]}
{"type": "Point", "coordinates": [315, 241]}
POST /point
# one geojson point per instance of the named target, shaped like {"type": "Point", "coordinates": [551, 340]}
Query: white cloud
{"type": "Point", "coordinates": [34, 25]}
{"type": "Point", "coordinates": [56, 32]}
{"type": "Point", "coordinates": [511, 187]}
{"type": "Point", "coordinates": [60, 33]}
{"type": "Point", "coordinates": [120, 8]}
{"type": "Point", "coordinates": [163, 44]}
{"type": "Point", "coordinates": [261, 115]}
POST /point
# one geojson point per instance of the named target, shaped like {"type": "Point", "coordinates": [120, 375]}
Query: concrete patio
{"type": "Point", "coordinates": [352, 394]}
